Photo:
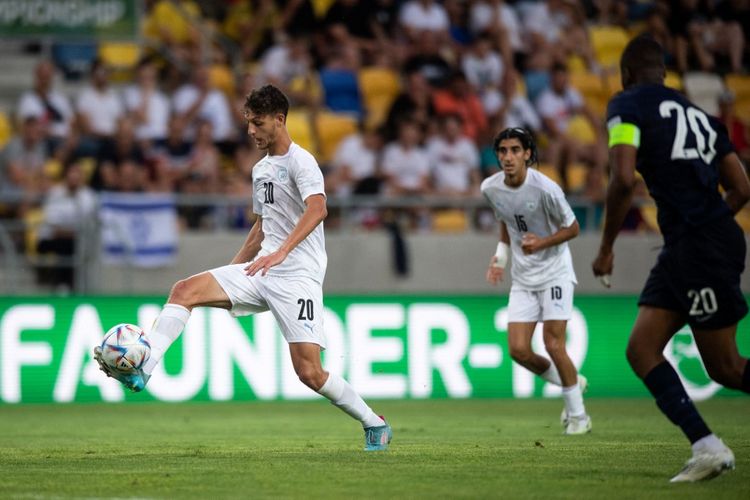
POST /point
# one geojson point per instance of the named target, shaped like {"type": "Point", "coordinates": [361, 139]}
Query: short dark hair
{"type": "Point", "coordinates": [267, 100]}
{"type": "Point", "coordinates": [523, 136]}
{"type": "Point", "coordinates": [643, 60]}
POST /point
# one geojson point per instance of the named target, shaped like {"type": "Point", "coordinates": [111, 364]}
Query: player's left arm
{"type": "Point", "coordinates": [315, 213]}
{"type": "Point", "coordinates": [733, 179]}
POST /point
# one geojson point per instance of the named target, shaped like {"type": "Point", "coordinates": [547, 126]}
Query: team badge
{"type": "Point", "coordinates": [282, 174]}
{"type": "Point", "coordinates": [530, 205]}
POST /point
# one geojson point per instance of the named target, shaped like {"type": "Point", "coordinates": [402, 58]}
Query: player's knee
{"type": "Point", "coordinates": [727, 374]}
{"type": "Point", "coordinates": [555, 347]}
{"type": "Point", "coordinates": [311, 377]}
{"type": "Point", "coordinates": [520, 354]}
{"type": "Point", "coordinates": [181, 292]}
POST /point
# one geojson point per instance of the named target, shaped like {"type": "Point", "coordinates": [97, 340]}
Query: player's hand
{"type": "Point", "coordinates": [603, 265]}
{"type": "Point", "coordinates": [265, 263]}
{"type": "Point", "coordinates": [530, 243]}
{"type": "Point", "coordinates": [494, 273]}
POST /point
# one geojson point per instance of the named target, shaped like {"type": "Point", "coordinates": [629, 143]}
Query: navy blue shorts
{"type": "Point", "coordinates": [699, 276]}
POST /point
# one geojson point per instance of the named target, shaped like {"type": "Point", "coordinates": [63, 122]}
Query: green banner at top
{"type": "Point", "coordinates": [69, 18]}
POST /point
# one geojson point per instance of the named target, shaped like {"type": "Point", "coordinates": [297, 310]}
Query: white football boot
{"type": "Point", "coordinates": [706, 465]}
{"type": "Point", "coordinates": [583, 383]}
{"type": "Point", "coordinates": [578, 425]}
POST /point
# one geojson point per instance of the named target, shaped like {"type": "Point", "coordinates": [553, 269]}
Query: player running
{"type": "Point", "coordinates": [280, 267]}
{"type": "Point", "coordinates": [683, 155]}
{"type": "Point", "coordinates": [535, 223]}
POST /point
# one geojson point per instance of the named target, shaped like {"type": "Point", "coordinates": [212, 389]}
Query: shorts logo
{"type": "Point", "coordinates": [282, 174]}
{"type": "Point", "coordinates": [683, 353]}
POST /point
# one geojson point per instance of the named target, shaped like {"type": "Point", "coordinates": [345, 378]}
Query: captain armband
{"type": "Point", "coordinates": [624, 133]}
{"type": "Point", "coordinates": [501, 254]}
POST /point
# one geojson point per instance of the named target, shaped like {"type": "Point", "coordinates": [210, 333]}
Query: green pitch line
{"type": "Point", "coordinates": [469, 449]}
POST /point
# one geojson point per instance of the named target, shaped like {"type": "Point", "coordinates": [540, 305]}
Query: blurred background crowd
{"type": "Point", "coordinates": [398, 100]}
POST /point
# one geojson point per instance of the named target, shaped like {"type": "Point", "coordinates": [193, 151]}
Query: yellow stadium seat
{"type": "Point", "coordinates": [379, 87]}
{"type": "Point", "coordinates": [450, 221]}
{"type": "Point", "coordinates": [331, 129]}
{"type": "Point", "coordinates": [613, 83]}
{"type": "Point", "coordinates": [32, 220]}
{"type": "Point", "coordinates": [591, 87]}
{"type": "Point", "coordinates": [551, 172]}
{"type": "Point", "coordinates": [299, 125]}
{"type": "Point", "coordinates": [321, 7]}
{"type": "Point", "coordinates": [121, 58]}
{"type": "Point", "coordinates": [608, 43]}
{"type": "Point", "coordinates": [580, 129]}
{"type": "Point", "coordinates": [648, 212]}
{"type": "Point", "coordinates": [577, 175]}
{"type": "Point", "coordinates": [674, 81]}
{"type": "Point", "coordinates": [222, 78]}
{"type": "Point", "coordinates": [6, 130]}
{"type": "Point", "coordinates": [743, 219]}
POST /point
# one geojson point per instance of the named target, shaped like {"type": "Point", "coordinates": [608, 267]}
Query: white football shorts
{"type": "Point", "coordinates": [296, 303]}
{"type": "Point", "coordinates": [552, 303]}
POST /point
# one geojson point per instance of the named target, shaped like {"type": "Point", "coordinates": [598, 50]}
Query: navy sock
{"type": "Point", "coordinates": [746, 378]}
{"type": "Point", "coordinates": [673, 401]}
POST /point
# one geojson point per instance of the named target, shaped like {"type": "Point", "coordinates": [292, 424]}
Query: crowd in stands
{"type": "Point", "coordinates": [395, 97]}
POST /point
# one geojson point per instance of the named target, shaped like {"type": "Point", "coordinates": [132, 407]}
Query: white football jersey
{"type": "Point", "coordinates": [281, 184]}
{"type": "Point", "coordinates": [538, 206]}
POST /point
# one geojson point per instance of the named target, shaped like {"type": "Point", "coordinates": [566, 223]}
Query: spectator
{"type": "Point", "coordinates": [171, 155]}
{"type": "Point", "coordinates": [418, 16]}
{"type": "Point", "coordinates": [739, 132]}
{"type": "Point", "coordinates": [414, 103]}
{"type": "Point", "coordinates": [428, 60]}
{"type": "Point", "coordinates": [148, 105]}
{"type": "Point", "coordinates": [123, 146]}
{"type": "Point", "coordinates": [69, 205]}
{"type": "Point", "coordinates": [486, 71]}
{"type": "Point", "coordinates": [22, 165]}
{"type": "Point", "coordinates": [339, 81]}
{"type": "Point", "coordinates": [99, 108]}
{"type": "Point", "coordinates": [355, 164]}
{"type": "Point", "coordinates": [499, 21]}
{"type": "Point", "coordinates": [250, 24]}
{"type": "Point", "coordinates": [51, 107]}
{"type": "Point", "coordinates": [459, 99]}
{"type": "Point", "coordinates": [454, 160]}
{"type": "Point", "coordinates": [198, 101]}
{"type": "Point", "coordinates": [406, 166]}
{"type": "Point", "coordinates": [288, 66]}
{"type": "Point", "coordinates": [516, 110]}
{"type": "Point", "coordinates": [201, 176]}
{"type": "Point", "coordinates": [295, 18]}
{"type": "Point", "coordinates": [557, 105]}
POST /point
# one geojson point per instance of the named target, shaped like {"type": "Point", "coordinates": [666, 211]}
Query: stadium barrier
{"type": "Point", "coordinates": [390, 347]}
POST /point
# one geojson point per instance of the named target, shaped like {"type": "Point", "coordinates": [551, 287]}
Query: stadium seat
{"type": "Point", "coordinates": [577, 175]}
{"type": "Point", "coordinates": [299, 125]}
{"type": "Point", "coordinates": [674, 80]}
{"type": "Point", "coordinates": [222, 78]}
{"type": "Point", "coordinates": [613, 83]}
{"type": "Point", "coordinates": [379, 87]}
{"type": "Point", "coordinates": [331, 129]}
{"type": "Point", "coordinates": [321, 7]}
{"type": "Point", "coordinates": [551, 172]}
{"type": "Point", "coordinates": [74, 58]}
{"type": "Point", "coordinates": [32, 220]}
{"type": "Point", "coordinates": [580, 129]}
{"type": "Point", "coordinates": [121, 58]}
{"type": "Point", "coordinates": [6, 130]}
{"type": "Point", "coordinates": [608, 43]}
{"type": "Point", "coordinates": [743, 219]}
{"type": "Point", "coordinates": [648, 212]}
{"type": "Point", "coordinates": [704, 89]}
{"type": "Point", "coordinates": [740, 86]}
{"type": "Point", "coordinates": [591, 87]}
{"type": "Point", "coordinates": [450, 221]}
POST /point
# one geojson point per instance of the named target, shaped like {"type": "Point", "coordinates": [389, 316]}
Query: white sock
{"type": "Point", "coordinates": [573, 401]}
{"type": "Point", "coordinates": [710, 443]}
{"type": "Point", "coordinates": [551, 375]}
{"type": "Point", "coordinates": [167, 327]}
{"type": "Point", "coordinates": [342, 395]}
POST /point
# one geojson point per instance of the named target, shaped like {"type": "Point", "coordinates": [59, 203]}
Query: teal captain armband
{"type": "Point", "coordinates": [624, 133]}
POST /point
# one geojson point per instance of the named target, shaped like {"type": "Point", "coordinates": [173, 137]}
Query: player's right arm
{"type": "Point", "coordinates": [733, 179]}
{"type": "Point", "coordinates": [251, 246]}
{"type": "Point", "coordinates": [622, 158]}
{"type": "Point", "coordinates": [496, 270]}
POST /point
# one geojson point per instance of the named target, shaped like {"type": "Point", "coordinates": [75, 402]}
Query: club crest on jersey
{"type": "Point", "coordinates": [530, 205]}
{"type": "Point", "coordinates": [282, 174]}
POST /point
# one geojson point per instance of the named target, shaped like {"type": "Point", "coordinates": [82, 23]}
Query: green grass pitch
{"type": "Point", "coordinates": [441, 449]}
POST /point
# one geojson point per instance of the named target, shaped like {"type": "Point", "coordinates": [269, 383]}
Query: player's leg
{"type": "Point", "coordinates": [524, 310]}
{"type": "Point", "coordinates": [196, 291]}
{"type": "Point", "coordinates": [721, 358]}
{"type": "Point", "coordinates": [297, 305]}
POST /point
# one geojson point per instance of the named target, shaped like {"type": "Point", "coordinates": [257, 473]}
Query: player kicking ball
{"type": "Point", "coordinates": [280, 267]}
{"type": "Point", "coordinates": [683, 155]}
{"type": "Point", "coordinates": [536, 221]}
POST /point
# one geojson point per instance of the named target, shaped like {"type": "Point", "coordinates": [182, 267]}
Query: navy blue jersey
{"type": "Point", "coordinates": [680, 149]}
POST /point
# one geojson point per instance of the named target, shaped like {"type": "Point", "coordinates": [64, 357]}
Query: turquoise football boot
{"type": "Point", "coordinates": [378, 438]}
{"type": "Point", "coordinates": [135, 381]}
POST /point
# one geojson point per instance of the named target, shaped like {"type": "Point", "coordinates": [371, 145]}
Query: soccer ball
{"type": "Point", "coordinates": [125, 348]}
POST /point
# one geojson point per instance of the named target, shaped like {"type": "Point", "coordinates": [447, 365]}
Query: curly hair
{"type": "Point", "coordinates": [267, 100]}
{"type": "Point", "coordinates": [523, 136]}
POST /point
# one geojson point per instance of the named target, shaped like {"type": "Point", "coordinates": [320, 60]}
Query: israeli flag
{"type": "Point", "coordinates": [139, 229]}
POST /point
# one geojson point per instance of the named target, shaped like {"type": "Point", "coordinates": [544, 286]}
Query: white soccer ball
{"type": "Point", "coordinates": [125, 348]}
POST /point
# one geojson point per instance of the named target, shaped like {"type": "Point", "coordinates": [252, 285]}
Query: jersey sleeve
{"type": "Point", "coordinates": [723, 145]}
{"type": "Point", "coordinates": [308, 176]}
{"type": "Point", "coordinates": [557, 206]}
{"type": "Point", "coordinates": [623, 123]}
{"type": "Point", "coordinates": [257, 205]}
